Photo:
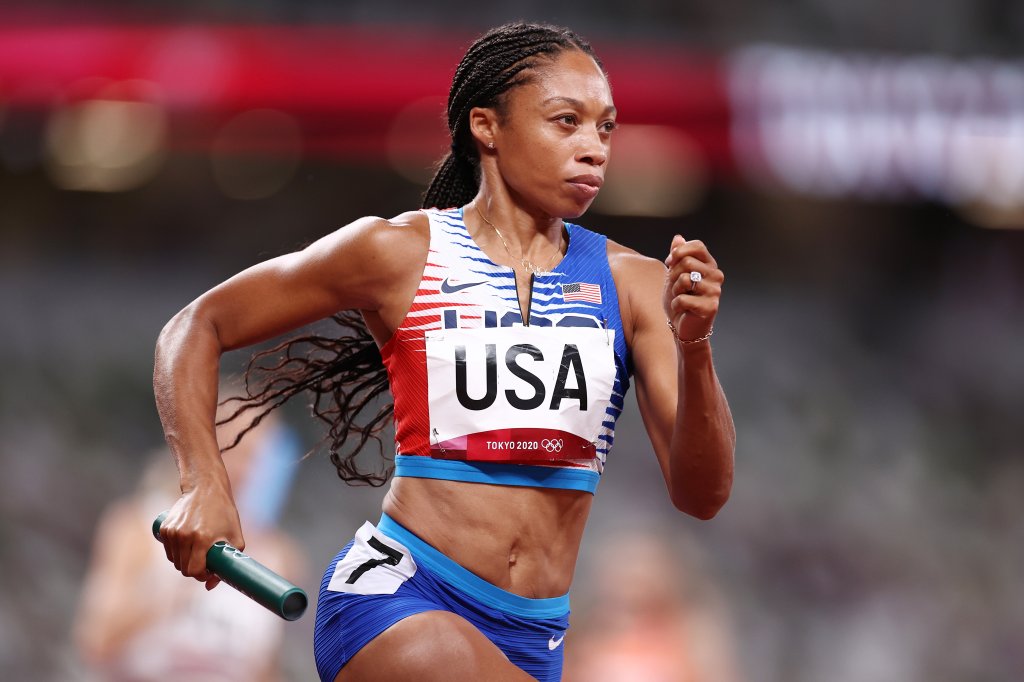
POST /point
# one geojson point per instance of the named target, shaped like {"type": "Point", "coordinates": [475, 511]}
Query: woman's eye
{"type": "Point", "coordinates": [609, 126]}
{"type": "Point", "coordinates": [568, 119]}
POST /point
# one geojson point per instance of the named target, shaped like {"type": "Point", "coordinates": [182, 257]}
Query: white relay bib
{"type": "Point", "coordinates": [518, 393]}
{"type": "Point", "coordinates": [375, 564]}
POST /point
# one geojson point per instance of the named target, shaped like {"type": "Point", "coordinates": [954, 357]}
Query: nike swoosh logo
{"type": "Point", "coordinates": [447, 288]}
{"type": "Point", "coordinates": [553, 643]}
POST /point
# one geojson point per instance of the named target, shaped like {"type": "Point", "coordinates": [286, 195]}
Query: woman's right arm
{"type": "Point", "coordinates": [368, 265]}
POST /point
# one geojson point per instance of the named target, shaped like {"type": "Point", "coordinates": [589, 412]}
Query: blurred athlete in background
{"type": "Point", "coordinates": [138, 621]}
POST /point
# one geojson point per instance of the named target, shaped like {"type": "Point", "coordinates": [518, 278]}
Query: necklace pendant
{"type": "Point", "coordinates": [533, 268]}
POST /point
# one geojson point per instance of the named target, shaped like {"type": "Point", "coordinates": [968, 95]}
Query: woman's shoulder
{"type": "Point", "coordinates": [408, 225]}
{"type": "Point", "coordinates": [373, 263]}
{"type": "Point", "coordinates": [365, 254]}
{"type": "Point", "coordinates": [410, 220]}
{"type": "Point", "coordinates": [628, 263]}
{"type": "Point", "coordinates": [376, 239]}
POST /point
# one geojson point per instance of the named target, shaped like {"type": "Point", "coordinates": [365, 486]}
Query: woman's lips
{"type": "Point", "coordinates": [587, 185]}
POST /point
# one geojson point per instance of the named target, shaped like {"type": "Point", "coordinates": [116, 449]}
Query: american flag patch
{"type": "Point", "coordinates": [580, 291]}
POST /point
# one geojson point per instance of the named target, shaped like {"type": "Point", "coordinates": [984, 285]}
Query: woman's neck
{"type": "Point", "coordinates": [525, 235]}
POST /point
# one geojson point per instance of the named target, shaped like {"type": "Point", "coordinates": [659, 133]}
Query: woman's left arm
{"type": "Point", "coordinates": [682, 404]}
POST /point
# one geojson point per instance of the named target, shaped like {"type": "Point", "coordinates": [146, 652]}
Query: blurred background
{"type": "Point", "coordinates": [857, 169]}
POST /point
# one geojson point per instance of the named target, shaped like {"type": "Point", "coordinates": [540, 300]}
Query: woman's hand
{"type": "Point", "coordinates": [691, 306]}
{"type": "Point", "coordinates": [201, 517]}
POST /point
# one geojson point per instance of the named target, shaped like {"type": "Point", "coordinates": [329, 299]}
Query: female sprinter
{"type": "Point", "coordinates": [508, 337]}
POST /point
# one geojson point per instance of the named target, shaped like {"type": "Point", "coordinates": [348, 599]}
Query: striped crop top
{"type": "Point", "coordinates": [482, 397]}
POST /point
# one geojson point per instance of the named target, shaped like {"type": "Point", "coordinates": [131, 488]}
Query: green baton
{"type": "Point", "coordinates": [250, 577]}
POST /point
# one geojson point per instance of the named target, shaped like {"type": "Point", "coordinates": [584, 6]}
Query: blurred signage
{"type": "Point", "coordinates": [880, 127]}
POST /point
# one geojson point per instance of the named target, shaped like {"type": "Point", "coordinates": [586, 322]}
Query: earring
{"type": "Point", "coordinates": [490, 145]}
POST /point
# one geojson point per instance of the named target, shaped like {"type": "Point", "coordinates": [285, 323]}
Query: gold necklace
{"type": "Point", "coordinates": [528, 265]}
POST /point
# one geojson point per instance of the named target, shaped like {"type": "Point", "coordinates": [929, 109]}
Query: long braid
{"type": "Point", "coordinates": [344, 374]}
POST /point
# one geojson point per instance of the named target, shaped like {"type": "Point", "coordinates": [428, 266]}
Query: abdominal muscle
{"type": "Point", "coordinates": [523, 540]}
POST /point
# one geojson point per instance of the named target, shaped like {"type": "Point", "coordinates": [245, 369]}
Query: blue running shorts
{"type": "Point", "coordinates": [386, 574]}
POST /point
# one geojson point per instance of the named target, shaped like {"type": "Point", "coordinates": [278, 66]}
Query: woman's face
{"type": "Point", "coordinates": [554, 139]}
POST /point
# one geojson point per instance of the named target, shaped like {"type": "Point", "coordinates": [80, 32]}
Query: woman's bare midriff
{"type": "Point", "coordinates": [523, 540]}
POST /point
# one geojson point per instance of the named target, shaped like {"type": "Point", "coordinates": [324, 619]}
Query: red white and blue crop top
{"type": "Point", "coordinates": [479, 395]}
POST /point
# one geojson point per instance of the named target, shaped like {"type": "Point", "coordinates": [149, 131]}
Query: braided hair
{"type": "Point", "coordinates": [344, 374]}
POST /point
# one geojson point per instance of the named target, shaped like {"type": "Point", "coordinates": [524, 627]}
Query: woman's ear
{"type": "Point", "coordinates": [483, 126]}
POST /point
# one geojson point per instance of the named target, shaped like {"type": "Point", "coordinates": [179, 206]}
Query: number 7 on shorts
{"type": "Point", "coordinates": [375, 564]}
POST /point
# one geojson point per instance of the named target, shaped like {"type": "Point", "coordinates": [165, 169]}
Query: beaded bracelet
{"type": "Point", "coordinates": [682, 342]}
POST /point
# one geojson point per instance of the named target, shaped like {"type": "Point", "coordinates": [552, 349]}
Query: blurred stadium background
{"type": "Point", "coordinates": [856, 167]}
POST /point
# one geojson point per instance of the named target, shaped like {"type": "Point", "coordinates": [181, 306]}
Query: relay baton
{"type": "Point", "coordinates": [250, 577]}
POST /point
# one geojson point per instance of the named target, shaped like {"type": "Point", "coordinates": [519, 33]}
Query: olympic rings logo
{"type": "Point", "coordinates": [552, 444]}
